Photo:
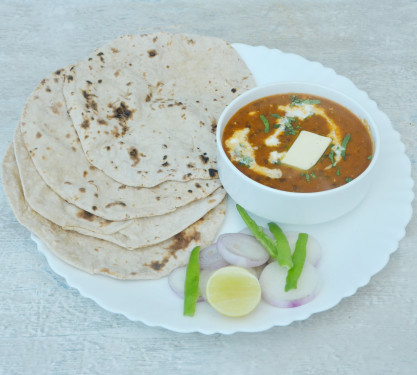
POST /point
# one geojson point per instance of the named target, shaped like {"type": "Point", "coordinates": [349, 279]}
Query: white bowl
{"type": "Point", "coordinates": [291, 207]}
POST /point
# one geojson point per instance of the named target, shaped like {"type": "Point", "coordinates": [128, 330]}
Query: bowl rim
{"type": "Point", "coordinates": [375, 137]}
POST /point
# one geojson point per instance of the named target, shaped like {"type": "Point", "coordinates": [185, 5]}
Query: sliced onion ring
{"type": "Point", "coordinates": [242, 250]}
{"type": "Point", "coordinates": [273, 279]}
{"type": "Point", "coordinates": [313, 250]}
{"type": "Point", "coordinates": [176, 281]}
{"type": "Point", "coordinates": [211, 259]}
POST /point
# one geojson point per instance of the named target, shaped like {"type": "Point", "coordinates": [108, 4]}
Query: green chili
{"type": "Point", "coordinates": [284, 257]}
{"type": "Point", "coordinates": [266, 241]}
{"type": "Point", "coordinates": [192, 278]}
{"type": "Point", "coordinates": [298, 259]}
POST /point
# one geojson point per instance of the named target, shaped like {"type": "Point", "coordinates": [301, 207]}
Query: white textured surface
{"type": "Point", "coordinates": [48, 328]}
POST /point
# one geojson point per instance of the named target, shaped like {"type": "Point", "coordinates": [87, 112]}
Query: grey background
{"type": "Point", "coordinates": [48, 328]}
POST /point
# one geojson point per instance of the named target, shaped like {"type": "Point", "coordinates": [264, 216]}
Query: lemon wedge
{"type": "Point", "coordinates": [233, 291]}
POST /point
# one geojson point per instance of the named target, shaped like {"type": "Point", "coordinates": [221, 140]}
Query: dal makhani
{"type": "Point", "coordinates": [298, 143]}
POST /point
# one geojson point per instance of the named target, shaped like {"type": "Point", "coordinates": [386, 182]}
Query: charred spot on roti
{"type": "Point", "coordinates": [38, 135]}
{"type": "Point", "coordinates": [166, 164]}
{"type": "Point", "coordinates": [108, 148]}
{"type": "Point", "coordinates": [81, 190]}
{"type": "Point", "coordinates": [89, 82]}
{"type": "Point", "coordinates": [134, 156]}
{"type": "Point", "coordinates": [100, 80]}
{"type": "Point", "coordinates": [213, 127]}
{"type": "Point", "coordinates": [212, 172]}
{"type": "Point", "coordinates": [152, 53]}
{"type": "Point", "coordinates": [100, 55]}
{"type": "Point", "coordinates": [94, 208]}
{"type": "Point", "coordinates": [85, 173]}
{"type": "Point", "coordinates": [197, 185]}
{"type": "Point", "coordinates": [204, 158]}
{"type": "Point", "coordinates": [183, 239]}
{"type": "Point", "coordinates": [122, 113]}
{"type": "Point", "coordinates": [90, 101]}
{"type": "Point", "coordinates": [157, 265]}
{"type": "Point", "coordinates": [233, 90]}
{"type": "Point", "coordinates": [115, 132]}
{"type": "Point", "coordinates": [70, 78]}
{"type": "Point", "coordinates": [189, 190]}
{"type": "Point", "coordinates": [85, 215]}
{"type": "Point", "coordinates": [117, 73]}
{"type": "Point", "coordinates": [105, 223]}
{"type": "Point", "coordinates": [118, 203]}
{"type": "Point", "coordinates": [67, 183]}
{"type": "Point", "coordinates": [85, 124]}
{"type": "Point", "coordinates": [58, 72]}
{"type": "Point", "coordinates": [115, 50]}
{"type": "Point", "coordinates": [102, 122]}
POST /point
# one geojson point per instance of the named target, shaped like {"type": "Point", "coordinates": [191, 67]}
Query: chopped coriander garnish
{"type": "Point", "coordinates": [297, 101]}
{"type": "Point", "coordinates": [338, 171]}
{"type": "Point", "coordinates": [275, 115]}
{"type": "Point", "coordinates": [331, 157]}
{"type": "Point", "coordinates": [266, 123]}
{"type": "Point", "coordinates": [344, 144]}
{"type": "Point", "coordinates": [289, 128]}
{"type": "Point", "coordinates": [369, 157]}
{"type": "Point", "coordinates": [246, 161]}
{"type": "Point", "coordinates": [306, 176]}
{"type": "Point", "coordinates": [348, 179]}
{"type": "Point", "coordinates": [313, 175]}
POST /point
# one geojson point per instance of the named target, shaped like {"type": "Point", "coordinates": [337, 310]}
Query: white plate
{"type": "Point", "coordinates": [355, 247]}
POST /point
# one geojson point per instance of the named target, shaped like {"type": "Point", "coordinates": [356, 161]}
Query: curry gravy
{"type": "Point", "coordinates": [258, 136]}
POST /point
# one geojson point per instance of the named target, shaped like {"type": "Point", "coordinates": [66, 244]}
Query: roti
{"type": "Point", "coordinates": [131, 234]}
{"type": "Point", "coordinates": [56, 152]}
{"type": "Point", "coordinates": [146, 107]}
{"type": "Point", "coordinates": [97, 256]}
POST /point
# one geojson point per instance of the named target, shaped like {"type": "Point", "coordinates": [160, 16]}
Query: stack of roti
{"type": "Point", "coordinates": [113, 163]}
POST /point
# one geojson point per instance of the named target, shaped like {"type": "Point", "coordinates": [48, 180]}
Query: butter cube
{"type": "Point", "coordinates": [306, 150]}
